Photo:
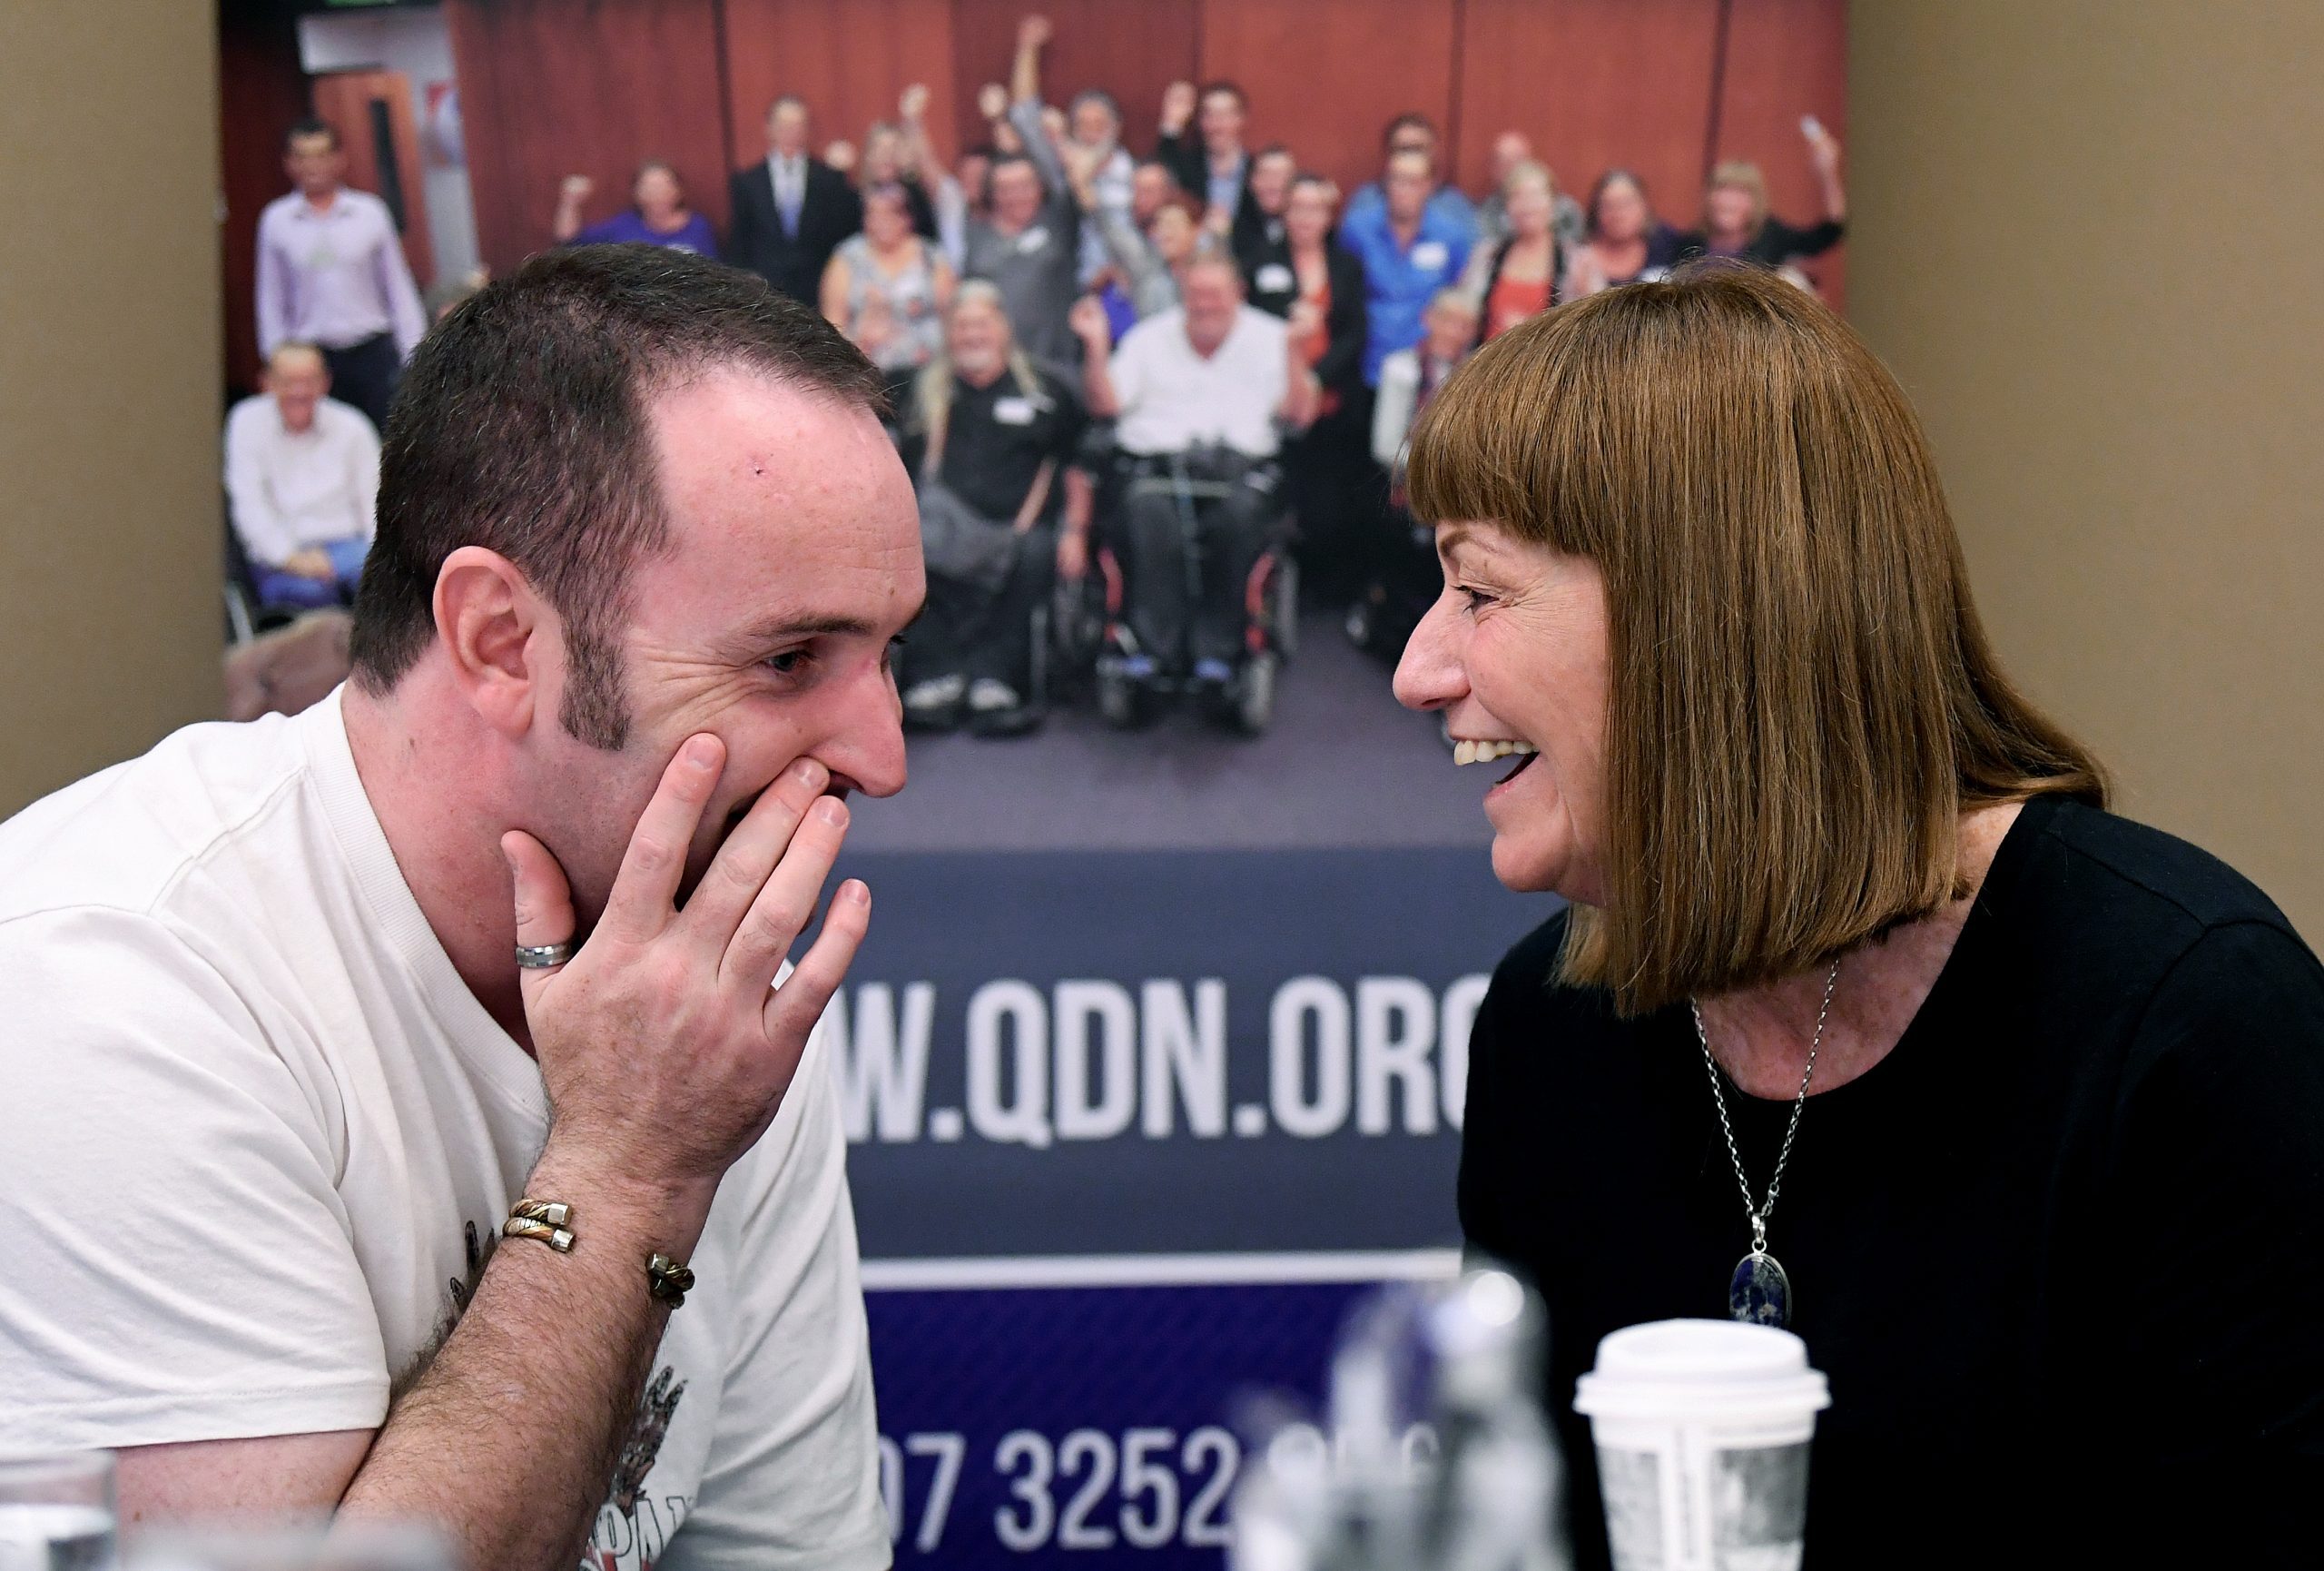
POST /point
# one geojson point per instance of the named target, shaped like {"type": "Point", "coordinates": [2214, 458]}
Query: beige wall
{"type": "Point", "coordinates": [2089, 237]}
{"type": "Point", "coordinates": [110, 626]}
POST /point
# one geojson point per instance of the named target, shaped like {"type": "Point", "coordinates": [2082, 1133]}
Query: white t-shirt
{"type": "Point", "coordinates": [1172, 398]}
{"type": "Point", "coordinates": [291, 489]}
{"type": "Point", "coordinates": [255, 1129]}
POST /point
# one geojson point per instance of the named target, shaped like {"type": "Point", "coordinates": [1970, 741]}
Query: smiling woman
{"type": "Point", "coordinates": [1745, 513]}
{"type": "Point", "coordinates": [1698, 560]}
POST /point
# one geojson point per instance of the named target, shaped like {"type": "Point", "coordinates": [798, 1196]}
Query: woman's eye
{"type": "Point", "coordinates": [1478, 599]}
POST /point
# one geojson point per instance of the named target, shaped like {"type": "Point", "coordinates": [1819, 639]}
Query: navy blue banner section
{"type": "Point", "coordinates": [1081, 1426]}
{"type": "Point", "coordinates": [1079, 1053]}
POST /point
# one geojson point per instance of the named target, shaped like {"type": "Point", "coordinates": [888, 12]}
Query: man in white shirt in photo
{"type": "Point", "coordinates": [302, 479]}
{"type": "Point", "coordinates": [1198, 392]}
{"type": "Point", "coordinates": [332, 272]}
{"type": "Point", "coordinates": [403, 1117]}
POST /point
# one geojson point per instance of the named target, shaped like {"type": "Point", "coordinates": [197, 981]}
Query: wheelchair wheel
{"type": "Point", "coordinates": [1284, 611]}
{"type": "Point", "coordinates": [1254, 693]}
{"type": "Point", "coordinates": [1120, 701]}
{"type": "Point", "coordinates": [1037, 689]}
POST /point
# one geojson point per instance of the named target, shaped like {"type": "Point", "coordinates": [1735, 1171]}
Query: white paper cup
{"type": "Point", "coordinates": [1702, 1429]}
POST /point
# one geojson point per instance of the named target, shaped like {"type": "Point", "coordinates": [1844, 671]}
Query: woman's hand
{"type": "Point", "coordinates": [1177, 107]}
{"type": "Point", "coordinates": [1305, 322]}
{"type": "Point", "coordinates": [1089, 322]}
{"type": "Point", "coordinates": [1823, 149]}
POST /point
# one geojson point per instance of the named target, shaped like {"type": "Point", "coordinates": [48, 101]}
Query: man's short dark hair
{"type": "Point", "coordinates": [1410, 119]}
{"type": "Point", "coordinates": [1002, 160]}
{"type": "Point", "coordinates": [1100, 97]}
{"type": "Point", "coordinates": [311, 126]}
{"type": "Point", "coordinates": [521, 426]}
{"type": "Point", "coordinates": [1221, 85]}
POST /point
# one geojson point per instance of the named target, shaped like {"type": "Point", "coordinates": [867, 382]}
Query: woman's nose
{"type": "Point", "coordinates": [1430, 675]}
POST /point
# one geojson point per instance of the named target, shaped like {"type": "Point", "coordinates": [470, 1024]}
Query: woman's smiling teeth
{"type": "Point", "coordinates": [1468, 752]}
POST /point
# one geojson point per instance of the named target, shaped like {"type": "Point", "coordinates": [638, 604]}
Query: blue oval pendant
{"type": "Point", "coordinates": [1759, 1293]}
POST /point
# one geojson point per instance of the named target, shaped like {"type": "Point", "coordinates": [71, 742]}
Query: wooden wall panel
{"type": "Point", "coordinates": [1597, 84]}
{"type": "Point", "coordinates": [261, 94]}
{"type": "Point", "coordinates": [1325, 76]}
{"type": "Point", "coordinates": [851, 60]}
{"type": "Point", "coordinates": [552, 87]}
{"type": "Point", "coordinates": [549, 88]}
{"type": "Point", "coordinates": [1131, 49]}
{"type": "Point", "coordinates": [1786, 58]}
{"type": "Point", "coordinates": [344, 100]}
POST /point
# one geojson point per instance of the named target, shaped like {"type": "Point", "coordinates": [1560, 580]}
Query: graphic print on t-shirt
{"type": "Point", "coordinates": [644, 1442]}
{"type": "Point", "coordinates": [625, 1538]}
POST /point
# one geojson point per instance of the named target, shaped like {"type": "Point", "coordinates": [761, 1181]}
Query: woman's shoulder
{"type": "Point", "coordinates": [2118, 915]}
{"type": "Point", "coordinates": [2115, 872]}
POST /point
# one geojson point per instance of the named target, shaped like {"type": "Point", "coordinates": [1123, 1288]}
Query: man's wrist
{"type": "Point", "coordinates": [611, 1198]}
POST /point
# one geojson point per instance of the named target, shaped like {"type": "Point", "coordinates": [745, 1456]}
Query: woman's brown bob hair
{"type": "Point", "coordinates": [1802, 702]}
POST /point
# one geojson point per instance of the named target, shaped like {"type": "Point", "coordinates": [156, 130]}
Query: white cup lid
{"type": "Point", "coordinates": [1689, 1364]}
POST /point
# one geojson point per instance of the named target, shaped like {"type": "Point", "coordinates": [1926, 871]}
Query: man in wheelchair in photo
{"type": "Point", "coordinates": [990, 439]}
{"type": "Point", "coordinates": [1199, 395]}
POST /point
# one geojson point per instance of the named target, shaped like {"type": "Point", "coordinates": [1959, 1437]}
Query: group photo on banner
{"type": "Point", "coordinates": [1187, 785]}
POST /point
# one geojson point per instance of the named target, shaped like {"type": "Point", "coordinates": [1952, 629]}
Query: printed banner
{"type": "Point", "coordinates": [1130, 1132]}
{"type": "Point", "coordinates": [1077, 1053]}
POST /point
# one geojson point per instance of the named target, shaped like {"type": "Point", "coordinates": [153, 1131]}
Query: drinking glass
{"type": "Point", "coordinates": [310, 1546]}
{"type": "Point", "coordinates": [56, 1511]}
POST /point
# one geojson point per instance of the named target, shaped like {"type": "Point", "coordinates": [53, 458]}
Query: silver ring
{"type": "Point", "coordinates": [541, 956]}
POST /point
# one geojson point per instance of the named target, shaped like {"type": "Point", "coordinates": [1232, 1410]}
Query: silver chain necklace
{"type": "Point", "coordinates": [1760, 1291]}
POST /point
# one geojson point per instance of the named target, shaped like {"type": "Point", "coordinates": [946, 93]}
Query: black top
{"type": "Point", "coordinates": [1492, 281]}
{"type": "Point", "coordinates": [792, 260]}
{"type": "Point", "coordinates": [1663, 245]}
{"type": "Point", "coordinates": [1189, 161]}
{"type": "Point", "coordinates": [1775, 244]}
{"type": "Point", "coordinates": [1264, 256]}
{"type": "Point", "coordinates": [2061, 1252]}
{"type": "Point", "coordinates": [997, 438]}
{"type": "Point", "coordinates": [1271, 284]}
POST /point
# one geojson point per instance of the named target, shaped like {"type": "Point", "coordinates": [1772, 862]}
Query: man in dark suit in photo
{"type": "Point", "coordinates": [791, 212]}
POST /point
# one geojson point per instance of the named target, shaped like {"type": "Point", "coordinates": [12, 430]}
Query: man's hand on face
{"type": "Point", "coordinates": [664, 1050]}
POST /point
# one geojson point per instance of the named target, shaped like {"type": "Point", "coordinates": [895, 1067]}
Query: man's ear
{"type": "Point", "coordinates": [496, 634]}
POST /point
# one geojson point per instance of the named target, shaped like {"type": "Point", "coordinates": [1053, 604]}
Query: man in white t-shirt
{"type": "Point", "coordinates": [302, 478]}
{"type": "Point", "coordinates": [335, 1177]}
{"type": "Point", "coordinates": [1197, 391]}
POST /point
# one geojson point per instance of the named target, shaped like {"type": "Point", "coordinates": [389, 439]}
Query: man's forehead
{"type": "Point", "coordinates": [782, 502]}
